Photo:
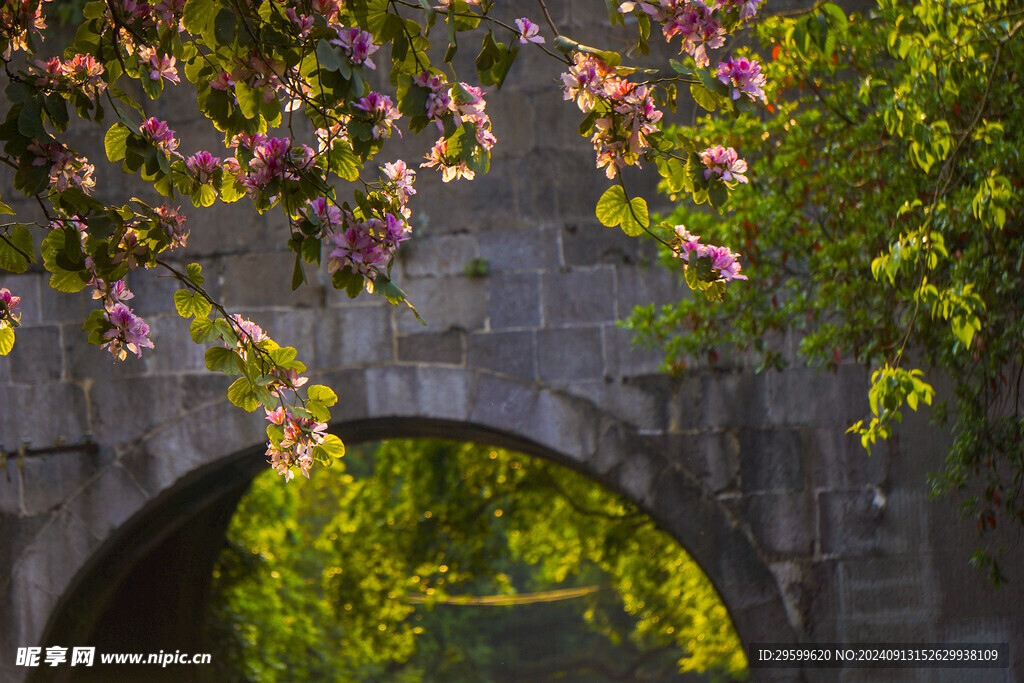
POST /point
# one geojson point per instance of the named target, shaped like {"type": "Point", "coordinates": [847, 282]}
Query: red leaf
{"type": "Point", "coordinates": [775, 51]}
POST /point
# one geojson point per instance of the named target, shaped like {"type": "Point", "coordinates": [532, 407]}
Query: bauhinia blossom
{"type": "Point", "coordinates": [8, 304]}
{"type": "Point", "coordinates": [157, 132]}
{"type": "Point", "coordinates": [129, 332]}
{"type": "Point", "coordinates": [724, 262]}
{"type": "Point", "coordinates": [745, 77]}
{"type": "Point", "coordinates": [723, 162]}
{"type": "Point", "coordinates": [528, 31]}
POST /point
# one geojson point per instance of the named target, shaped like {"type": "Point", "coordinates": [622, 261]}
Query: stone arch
{"type": "Point", "coordinates": [183, 472]}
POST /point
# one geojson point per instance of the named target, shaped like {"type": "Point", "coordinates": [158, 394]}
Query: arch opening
{"type": "Point", "coordinates": [180, 523]}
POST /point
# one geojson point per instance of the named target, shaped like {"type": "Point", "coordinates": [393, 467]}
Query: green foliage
{"type": "Point", "coordinates": [884, 217]}
{"type": "Point", "coordinates": [377, 561]}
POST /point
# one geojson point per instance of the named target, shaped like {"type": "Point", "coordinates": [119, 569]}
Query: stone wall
{"type": "Point", "coordinates": [806, 538]}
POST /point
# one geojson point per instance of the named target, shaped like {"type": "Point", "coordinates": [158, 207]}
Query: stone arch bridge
{"type": "Point", "coordinates": [805, 537]}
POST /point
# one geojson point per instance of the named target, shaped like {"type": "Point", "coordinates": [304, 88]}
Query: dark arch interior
{"type": "Point", "coordinates": [146, 589]}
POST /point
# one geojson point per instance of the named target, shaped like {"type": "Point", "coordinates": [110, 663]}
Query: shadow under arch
{"type": "Point", "coordinates": [145, 587]}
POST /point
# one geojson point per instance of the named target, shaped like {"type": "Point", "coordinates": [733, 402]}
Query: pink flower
{"type": "Point", "coordinates": [173, 224]}
{"type": "Point", "coordinates": [723, 260]}
{"type": "Point", "coordinates": [163, 67]}
{"type": "Point", "coordinates": [745, 77]}
{"type": "Point", "coordinates": [326, 213]}
{"type": "Point", "coordinates": [403, 178]}
{"type": "Point", "coordinates": [723, 162]}
{"type": "Point", "coordinates": [159, 134]}
{"type": "Point", "coordinates": [8, 301]}
{"type": "Point", "coordinates": [358, 44]}
{"type": "Point", "coordinates": [129, 332]}
{"type": "Point", "coordinates": [382, 112]}
{"type": "Point", "coordinates": [528, 31]}
{"type": "Point", "coordinates": [203, 165]}
{"type": "Point", "coordinates": [222, 81]}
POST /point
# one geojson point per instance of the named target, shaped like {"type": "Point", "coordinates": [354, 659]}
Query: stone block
{"type": "Point", "coordinates": [839, 461]}
{"type": "Point", "coordinates": [297, 327]}
{"type": "Point", "coordinates": [643, 405]}
{"type": "Point", "coordinates": [589, 243]}
{"type": "Point", "coordinates": [569, 354]}
{"type": "Point", "coordinates": [443, 303]}
{"type": "Point", "coordinates": [127, 409]}
{"type": "Point", "coordinates": [736, 400]}
{"type": "Point", "coordinates": [868, 520]}
{"type": "Point", "coordinates": [353, 336]}
{"type": "Point", "coordinates": [37, 355]}
{"type": "Point", "coordinates": [443, 393]}
{"type": "Point", "coordinates": [50, 481]}
{"type": "Point", "coordinates": [59, 307]}
{"type": "Point", "coordinates": [203, 388]}
{"type": "Point", "coordinates": [350, 386]}
{"type": "Point", "coordinates": [709, 457]}
{"type": "Point", "coordinates": [805, 396]}
{"type": "Point", "coordinates": [771, 460]}
{"type": "Point", "coordinates": [507, 250]}
{"type": "Point", "coordinates": [513, 353]}
{"type": "Point", "coordinates": [625, 359]}
{"type": "Point", "coordinates": [514, 300]}
{"type": "Point", "coordinates": [782, 523]}
{"type": "Point", "coordinates": [646, 285]}
{"type": "Point", "coordinates": [262, 279]}
{"type": "Point", "coordinates": [578, 296]}
{"type": "Point", "coordinates": [432, 347]}
{"type": "Point", "coordinates": [44, 413]}
{"type": "Point", "coordinates": [174, 351]}
{"type": "Point", "coordinates": [504, 404]}
{"type": "Point", "coordinates": [83, 360]}
{"type": "Point", "coordinates": [433, 255]}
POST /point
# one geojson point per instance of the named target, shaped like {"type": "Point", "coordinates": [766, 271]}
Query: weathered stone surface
{"type": "Point", "coordinates": [514, 300]}
{"type": "Point", "coordinates": [36, 356]}
{"type": "Point", "coordinates": [771, 460]}
{"type": "Point", "coordinates": [579, 296]}
{"type": "Point", "coordinates": [513, 353]}
{"type": "Point", "coordinates": [445, 347]}
{"type": "Point", "coordinates": [569, 353]}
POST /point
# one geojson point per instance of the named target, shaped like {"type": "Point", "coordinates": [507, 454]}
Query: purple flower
{"type": "Point", "coordinates": [723, 260]}
{"type": "Point", "coordinates": [358, 44]}
{"type": "Point", "coordinates": [745, 77]}
{"type": "Point", "coordinates": [203, 165]}
{"type": "Point", "coordinates": [723, 161]}
{"type": "Point", "coordinates": [328, 214]}
{"type": "Point", "coordinates": [528, 31]}
{"type": "Point", "coordinates": [157, 132]}
{"type": "Point", "coordinates": [129, 332]}
{"type": "Point", "coordinates": [9, 301]}
{"type": "Point", "coordinates": [382, 111]}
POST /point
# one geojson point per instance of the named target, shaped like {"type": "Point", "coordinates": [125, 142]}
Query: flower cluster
{"type": "Point", "coordinates": [357, 44]}
{"type": "Point", "coordinates": [173, 224]}
{"type": "Point", "coordinates": [158, 65]}
{"type": "Point", "coordinates": [363, 246]}
{"type": "Point", "coordinates": [629, 115]}
{"type": "Point", "coordinates": [263, 159]}
{"type": "Point", "coordinates": [80, 73]}
{"type": "Point", "coordinates": [724, 262]}
{"type": "Point", "coordinates": [695, 21]}
{"type": "Point", "coordinates": [18, 18]}
{"type": "Point", "coordinates": [157, 132]}
{"type": "Point", "coordinates": [129, 332]}
{"type": "Point", "coordinates": [745, 77]}
{"type": "Point", "coordinates": [382, 113]}
{"type": "Point", "coordinates": [466, 105]}
{"type": "Point", "coordinates": [723, 162]}
{"type": "Point", "coordinates": [203, 165]}
{"type": "Point", "coordinates": [8, 303]}
{"type": "Point", "coordinates": [402, 179]}
{"type": "Point", "coordinates": [295, 447]}
{"type": "Point", "coordinates": [66, 168]}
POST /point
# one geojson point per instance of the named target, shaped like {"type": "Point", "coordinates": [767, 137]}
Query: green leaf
{"type": "Point", "coordinates": [15, 248]}
{"type": "Point", "coordinates": [68, 282]}
{"type": "Point", "coordinates": [115, 141]}
{"type": "Point", "coordinates": [612, 207]}
{"type": "Point", "coordinates": [241, 394]}
{"type": "Point", "coordinates": [333, 447]}
{"type": "Point", "coordinates": [220, 359]}
{"type": "Point", "coordinates": [704, 97]}
{"type": "Point", "coordinates": [189, 303]}
{"type": "Point", "coordinates": [202, 330]}
{"type": "Point", "coordinates": [635, 221]}
{"type": "Point", "coordinates": [194, 272]}
{"type": "Point", "coordinates": [322, 394]}
{"type": "Point", "coordinates": [6, 340]}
